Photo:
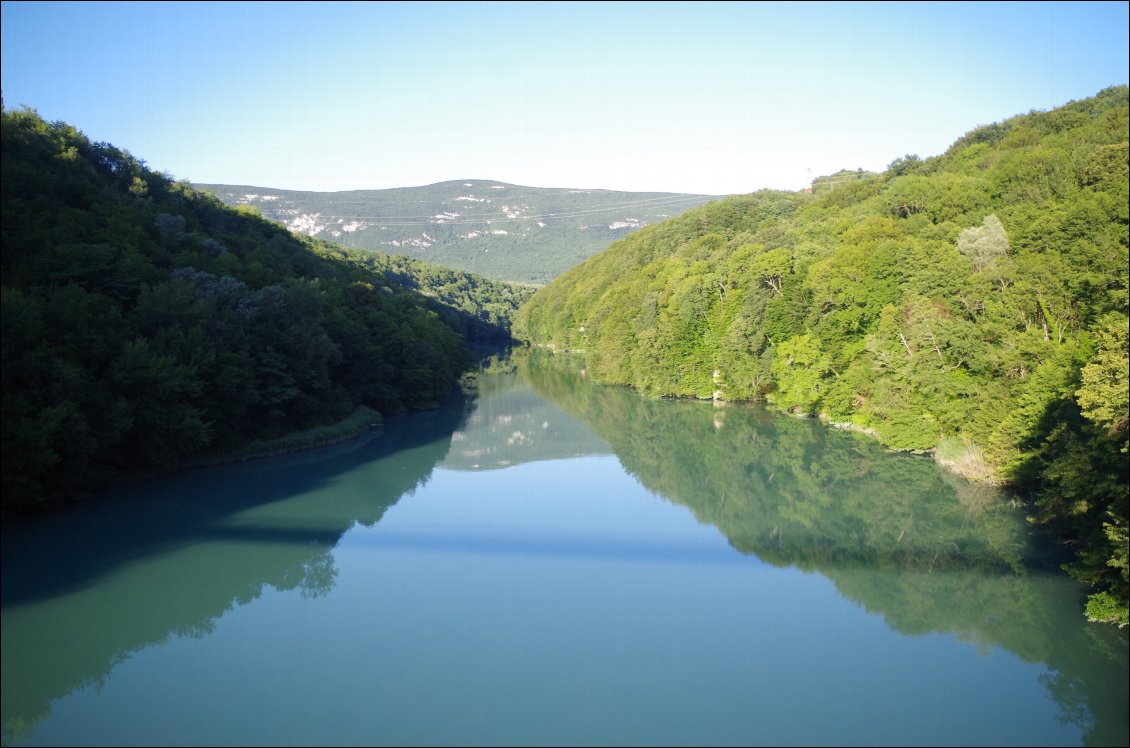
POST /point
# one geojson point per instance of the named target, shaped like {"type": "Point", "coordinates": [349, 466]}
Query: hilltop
{"type": "Point", "coordinates": [502, 231]}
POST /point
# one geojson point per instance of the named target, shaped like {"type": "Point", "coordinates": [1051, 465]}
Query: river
{"type": "Point", "coordinates": [546, 561]}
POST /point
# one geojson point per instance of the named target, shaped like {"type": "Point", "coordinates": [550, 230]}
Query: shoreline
{"type": "Point", "coordinates": [961, 459]}
{"type": "Point", "coordinates": [360, 422]}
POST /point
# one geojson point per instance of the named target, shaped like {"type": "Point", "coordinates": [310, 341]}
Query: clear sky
{"type": "Point", "coordinates": [682, 97]}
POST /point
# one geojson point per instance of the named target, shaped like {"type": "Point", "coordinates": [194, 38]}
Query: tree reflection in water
{"type": "Point", "coordinates": [895, 533]}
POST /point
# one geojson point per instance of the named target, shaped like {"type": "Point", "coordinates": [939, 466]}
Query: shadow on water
{"type": "Point", "coordinates": [895, 533]}
{"type": "Point", "coordinates": [901, 538]}
{"type": "Point", "coordinates": [101, 581]}
{"type": "Point", "coordinates": [98, 582]}
{"type": "Point", "coordinates": [213, 504]}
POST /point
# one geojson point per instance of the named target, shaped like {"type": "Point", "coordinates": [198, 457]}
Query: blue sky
{"type": "Point", "coordinates": [681, 97]}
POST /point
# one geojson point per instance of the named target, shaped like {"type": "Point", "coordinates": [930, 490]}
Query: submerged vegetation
{"type": "Point", "coordinates": [973, 305]}
{"type": "Point", "coordinates": [146, 325]}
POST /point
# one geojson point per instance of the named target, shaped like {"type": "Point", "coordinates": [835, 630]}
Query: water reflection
{"type": "Point", "coordinates": [84, 591]}
{"type": "Point", "coordinates": [897, 535]}
{"type": "Point", "coordinates": [85, 588]}
{"type": "Point", "coordinates": [511, 425]}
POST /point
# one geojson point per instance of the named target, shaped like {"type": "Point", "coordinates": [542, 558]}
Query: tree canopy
{"type": "Point", "coordinates": [145, 324]}
{"type": "Point", "coordinates": [973, 304]}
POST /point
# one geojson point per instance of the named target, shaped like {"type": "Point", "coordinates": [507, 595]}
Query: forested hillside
{"type": "Point", "coordinates": [973, 304]}
{"type": "Point", "coordinates": [146, 324]}
{"type": "Point", "coordinates": [503, 231]}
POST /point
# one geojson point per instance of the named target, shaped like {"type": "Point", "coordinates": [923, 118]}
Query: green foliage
{"type": "Point", "coordinates": [926, 550]}
{"type": "Point", "coordinates": [904, 164]}
{"type": "Point", "coordinates": [479, 308]}
{"type": "Point", "coordinates": [899, 303]}
{"type": "Point", "coordinates": [1103, 607]}
{"type": "Point", "coordinates": [1105, 394]}
{"type": "Point", "coordinates": [838, 180]}
{"type": "Point", "coordinates": [503, 231]}
{"type": "Point", "coordinates": [790, 491]}
{"type": "Point", "coordinates": [146, 325]}
{"type": "Point", "coordinates": [799, 366]}
{"type": "Point", "coordinates": [940, 197]}
{"type": "Point", "coordinates": [358, 422]}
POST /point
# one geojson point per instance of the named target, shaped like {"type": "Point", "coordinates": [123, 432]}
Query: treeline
{"type": "Point", "coordinates": [478, 307]}
{"type": "Point", "coordinates": [145, 324]}
{"type": "Point", "coordinates": [973, 305]}
{"type": "Point", "coordinates": [791, 492]}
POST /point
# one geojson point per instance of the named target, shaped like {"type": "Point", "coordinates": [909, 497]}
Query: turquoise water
{"type": "Point", "coordinates": [549, 562]}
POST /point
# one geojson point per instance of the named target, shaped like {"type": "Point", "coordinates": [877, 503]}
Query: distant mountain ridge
{"type": "Point", "coordinates": [500, 230]}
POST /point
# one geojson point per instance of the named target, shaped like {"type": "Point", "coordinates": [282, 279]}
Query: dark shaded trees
{"type": "Point", "coordinates": [145, 324]}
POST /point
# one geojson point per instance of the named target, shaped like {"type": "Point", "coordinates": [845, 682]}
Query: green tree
{"type": "Point", "coordinates": [799, 366]}
{"type": "Point", "coordinates": [1105, 393]}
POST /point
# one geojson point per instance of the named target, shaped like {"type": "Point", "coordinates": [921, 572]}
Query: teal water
{"type": "Point", "coordinates": [548, 562]}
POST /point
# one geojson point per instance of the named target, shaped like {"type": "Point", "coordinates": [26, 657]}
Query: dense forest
{"type": "Point", "coordinates": [973, 305]}
{"type": "Point", "coordinates": [146, 325]}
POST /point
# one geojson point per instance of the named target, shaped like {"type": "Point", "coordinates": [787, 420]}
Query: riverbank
{"type": "Point", "coordinates": [360, 421]}
{"type": "Point", "coordinates": [963, 459]}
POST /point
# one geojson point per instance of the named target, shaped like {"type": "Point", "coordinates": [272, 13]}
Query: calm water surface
{"type": "Point", "coordinates": [551, 562]}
